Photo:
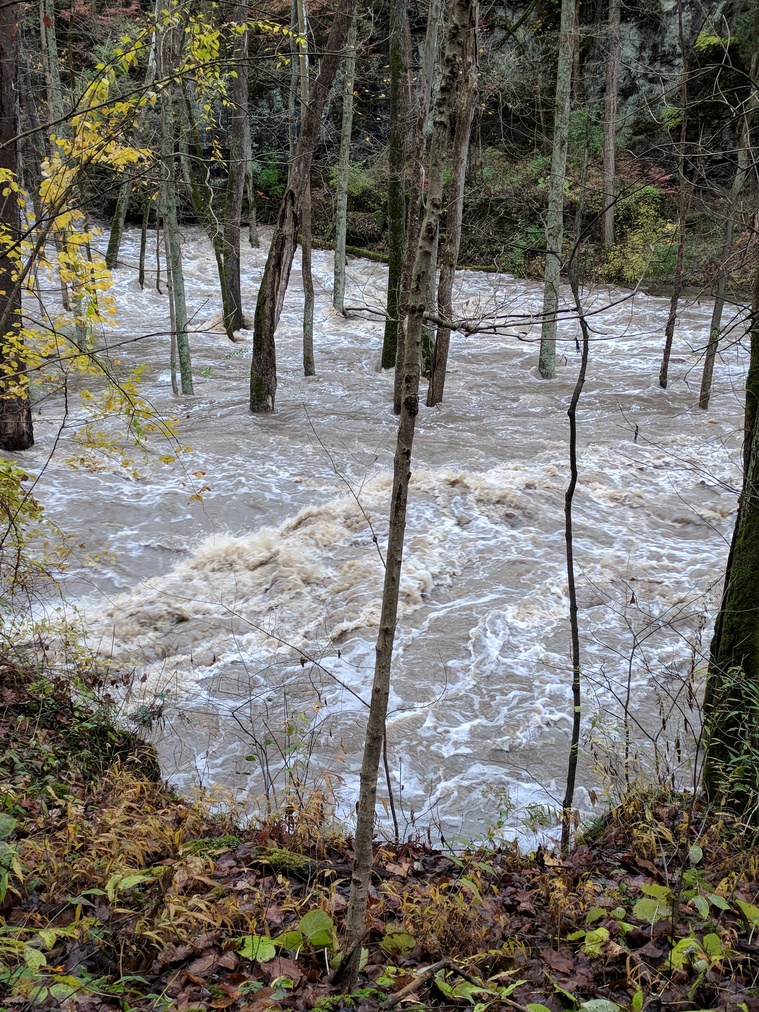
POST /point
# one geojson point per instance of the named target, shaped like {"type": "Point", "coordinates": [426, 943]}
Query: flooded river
{"type": "Point", "coordinates": [249, 615]}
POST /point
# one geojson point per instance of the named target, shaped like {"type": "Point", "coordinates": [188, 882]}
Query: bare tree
{"type": "Point", "coordinates": [271, 294]}
{"type": "Point", "coordinates": [458, 22]}
{"type": "Point", "coordinates": [555, 213]}
{"type": "Point", "coordinates": [455, 209]}
{"type": "Point", "coordinates": [343, 170]}
{"type": "Point", "coordinates": [16, 431]}
{"type": "Point", "coordinates": [610, 123]}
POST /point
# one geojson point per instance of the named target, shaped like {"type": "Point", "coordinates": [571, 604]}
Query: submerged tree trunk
{"type": "Point", "coordinates": [715, 326]}
{"type": "Point", "coordinates": [455, 209]}
{"type": "Point", "coordinates": [416, 158]}
{"type": "Point", "coordinates": [355, 924]}
{"type": "Point", "coordinates": [610, 124]}
{"type": "Point", "coordinates": [306, 237]}
{"type": "Point", "coordinates": [52, 72]}
{"type": "Point", "coordinates": [271, 294]}
{"type": "Point", "coordinates": [16, 431]}
{"type": "Point", "coordinates": [250, 188]}
{"type": "Point", "coordinates": [169, 213]}
{"type": "Point", "coordinates": [742, 170]}
{"type": "Point", "coordinates": [682, 206]}
{"type": "Point", "coordinates": [125, 190]}
{"type": "Point", "coordinates": [396, 183]}
{"type": "Point", "coordinates": [555, 213]}
{"type": "Point", "coordinates": [343, 171]}
{"type": "Point", "coordinates": [731, 703]}
{"type": "Point", "coordinates": [237, 173]}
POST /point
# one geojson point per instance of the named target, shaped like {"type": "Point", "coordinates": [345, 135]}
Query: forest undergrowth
{"type": "Point", "coordinates": [116, 894]}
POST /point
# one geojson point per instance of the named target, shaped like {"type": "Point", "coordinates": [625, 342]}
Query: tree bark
{"type": "Point", "coordinates": [343, 171]}
{"type": "Point", "coordinates": [125, 190]}
{"type": "Point", "coordinates": [683, 203]}
{"type": "Point", "coordinates": [455, 209]}
{"type": "Point", "coordinates": [306, 236]}
{"type": "Point", "coordinates": [271, 294]}
{"type": "Point", "coordinates": [172, 237]}
{"type": "Point", "coordinates": [731, 703]}
{"type": "Point", "coordinates": [610, 124]}
{"type": "Point", "coordinates": [396, 183]}
{"type": "Point", "coordinates": [415, 160]}
{"type": "Point", "coordinates": [356, 913]}
{"type": "Point", "coordinates": [555, 214]}
{"type": "Point", "coordinates": [745, 162]}
{"type": "Point", "coordinates": [16, 431]}
{"type": "Point", "coordinates": [236, 176]}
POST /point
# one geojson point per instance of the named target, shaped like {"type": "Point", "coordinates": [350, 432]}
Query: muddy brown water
{"type": "Point", "coordinates": [249, 615]}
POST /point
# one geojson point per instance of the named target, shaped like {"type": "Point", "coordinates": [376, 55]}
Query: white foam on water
{"type": "Point", "coordinates": [260, 601]}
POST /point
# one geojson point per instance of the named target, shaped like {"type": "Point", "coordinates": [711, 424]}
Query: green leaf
{"type": "Point", "coordinates": [713, 946]}
{"type": "Point", "coordinates": [48, 937]}
{"type": "Point", "coordinates": [397, 943]}
{"type": "Point", "coordinates": [535, 1006]}
{"type": "Point", "coordinates": [695, 854]}
{"type": "Point", "coordinates": [290, 940]}
{"type": "Point", "coordinates": [651, 910]}
{"type": "Point", "coordinates": [33, 958]}
{"type": "Point", "coordinates": [659, 891]}
{"type": "Point", "coordinates": [718, 901]}
{"type": "Point", "coordinates": [600, 1005]}
{"type": "Point", "coordinates": [7, 825]}
{"type": "Point", "coordinates": [595, 941]}
{"type": "Point", "coordinates": [576, 936]}
{"type": "Point", "coordinates": [637, 1001]}
{"type": "Point", "coordinates": [701, 904]}
{"type": "Point", "coordinates": [62, 990]}
{"type": "Point", "coordinates": [257, 947]}
{"type": "Point", "coordinates": [749, 911]}
{"type": "Point", "coordinates": [596, 913]}
{"type": "Point", "coordinates": [685, 953]}
{"type": "Point", "coordinates": [319, 928]}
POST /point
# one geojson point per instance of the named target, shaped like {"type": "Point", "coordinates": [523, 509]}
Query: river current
{"type": "Point", "coordinates": [249, 614]}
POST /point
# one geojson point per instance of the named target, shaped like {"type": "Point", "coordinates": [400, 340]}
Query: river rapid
{"type": "Point", "coordinates": [249, 614]}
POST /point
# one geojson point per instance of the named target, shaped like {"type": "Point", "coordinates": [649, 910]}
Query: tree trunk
{"type": "Point", "coordinates": [250, 186]}
{"type": "Point", "coordinates": [715, 325]}
{"type": "Point", "coordinates": [173, 239]}
{"type": "Point", "coordinates": [271, 294]}
{"type": "Point", "coordinates": [355, 925]}
{"type": "Point", "coordinates": [237, 172]}
{"type": "Point", "coordinates": [396, 183]}
{"type": "Point", "coordinates": [58, 125]}
{"type": "Point", "coordinates": [555, 214]}
{"type": "Point", "coordinates": [741, 172]}
{"type": "Point", "coordinates": [610, 124]}
{"type": "Point", "coordinates": [306, 236]}
{"type": "Point", "coordinates": [683, 203]}
{"type": "Point", "coordinates": [16, 432]}
{"type": "Point", "coordinates": [125, 190]}
{"type": "Point", "coordinates": [731, 703]}
{"type": "Point", "coordinates": [415, 161]}
{"type": "Point", "coordinates": [343, 172]}
{"type": "Point", "coordinates": [455, 209]}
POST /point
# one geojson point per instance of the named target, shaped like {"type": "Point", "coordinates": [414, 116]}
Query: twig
{"type": "Point", "coordinates": [417, 982]}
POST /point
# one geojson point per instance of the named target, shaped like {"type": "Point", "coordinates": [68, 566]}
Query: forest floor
{"type": "Point", "coordinates": [115, 894]}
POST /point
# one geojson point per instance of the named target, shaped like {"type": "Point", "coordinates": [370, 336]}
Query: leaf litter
{"type": "Point", "coordinates": [115, 894]}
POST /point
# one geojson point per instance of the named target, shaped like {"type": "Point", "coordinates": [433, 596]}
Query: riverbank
{"type": "Point", "coordinates": [118, 894]}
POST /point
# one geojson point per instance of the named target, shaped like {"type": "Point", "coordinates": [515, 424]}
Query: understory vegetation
{"type": "Point", "coordinates": [118, 895]}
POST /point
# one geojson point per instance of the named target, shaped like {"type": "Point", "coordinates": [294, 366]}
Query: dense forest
{"type": "Point", "coordinates": [591, 150]}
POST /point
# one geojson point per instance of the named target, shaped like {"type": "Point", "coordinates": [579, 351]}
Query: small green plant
{"type": "Point", "coordinates": [646, 244]}
{"type": "Point", "coordinates": [316, 930]}
{"type": "Point", "coordinates": [360, 181]}
{"type": "Point", "coordinates": [270, 175]}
